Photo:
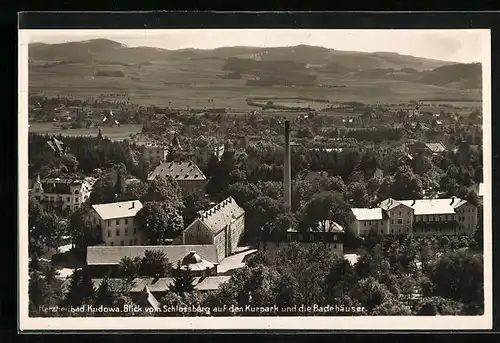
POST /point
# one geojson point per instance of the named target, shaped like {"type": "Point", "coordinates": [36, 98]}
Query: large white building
{"type": "Point", "coordinates": [118, 224]}
{"type": "Point", "coordinates": [222, 225]}
{"type": "Point", "coordinates": [418, 217]}
{"type": "Point", "coordinates": [68, 194]}
{"type": "Point", "coordinates": [369, 219]}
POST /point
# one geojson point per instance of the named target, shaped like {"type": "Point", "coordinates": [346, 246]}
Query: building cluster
{"type": "Point", "coordinates": [215, 233]}
{"type": "Point", "coordinates": [417, 217]}
{"type": "Point", "coordinates": [156, 154]}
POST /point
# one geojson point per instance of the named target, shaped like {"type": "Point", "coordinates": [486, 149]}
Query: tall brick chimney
{"type": "Point", "coordinates": [287, 180]}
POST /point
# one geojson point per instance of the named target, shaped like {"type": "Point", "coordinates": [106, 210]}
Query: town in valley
{"type": "Point", "coordinates": [244, 181]}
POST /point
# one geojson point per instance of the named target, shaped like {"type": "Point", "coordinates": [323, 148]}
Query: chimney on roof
{"type": "Point", "coordinates": [133, 204]}
{"type": "Point", "coordinates": [452, 200]}
{"type": "Point", "coordinates": [413, 203]}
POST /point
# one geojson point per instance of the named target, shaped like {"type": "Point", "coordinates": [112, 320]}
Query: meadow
{"type": "Point", "coordinates": [185, 84]}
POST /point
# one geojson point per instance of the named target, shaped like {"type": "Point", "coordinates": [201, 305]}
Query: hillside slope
{"type": "Point", "coordinates": [232, 74]}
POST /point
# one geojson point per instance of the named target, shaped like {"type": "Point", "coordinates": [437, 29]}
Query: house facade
{"type": "Point", "coordinates": [222, 225]}
{"type": "Point", "coordinates": [186, 173]}
{"type": "Point", "coordinates": [369, 219]}
{"type": "Point", "coordinates": [67, 194]}
{"type": "Point", "coordinates": [399, 217]}
{"type": "Point", "coordinates": [118, 224]}
{"type": "Point", "coordinates": [155, 154]}
{"type": "Point", "coordinates": [204, 154]}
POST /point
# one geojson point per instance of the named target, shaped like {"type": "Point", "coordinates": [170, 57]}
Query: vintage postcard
{"type": "Point", "coordinates": [255, 179]}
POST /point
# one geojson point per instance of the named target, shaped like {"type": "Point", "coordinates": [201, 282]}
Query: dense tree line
{"type": "Point", "coordinates": [393, 276]}
{"type": "Point", "coordinates": [343, 179]}
{"type": "Point", "coordinates": [85, 155]}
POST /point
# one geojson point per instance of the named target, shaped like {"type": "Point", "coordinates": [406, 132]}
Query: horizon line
{"type": "Point", "coordinates": [254, 46]}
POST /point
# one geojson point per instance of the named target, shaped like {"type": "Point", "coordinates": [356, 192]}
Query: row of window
{"type": "Point", "coordinates": [118, 232]}
{"type": "Point", "coordinates": [311, 238]}
{"type": "Point", "coordinates": [206, 235]}
{"type": "Point", "coordinates": [53, 198]}
{"type": "Point", "coordinates": [376, 222]}
{"type": "Point", "coordinates": [435, 218]}
{"type": "Point", "coordinates": [335, 246]}
{"type": "Point", "coordinates": [440, 230]}
{"type": "Point", "coordinates": [122, 243]}
{"type": "Point", "coordinates": [118, 221]}
{"type": "Point", "coordinates": [464, 218]}
{"type": "Point", "coordinates": [463, 210]}
{"type": "Point", "coordinates": [37, 190]}
{"type": "Point", "coordinates": [400, 221]}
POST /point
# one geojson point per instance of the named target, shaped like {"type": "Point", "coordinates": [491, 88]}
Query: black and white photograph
{"type": "Point", "coordinates": [255, 179]}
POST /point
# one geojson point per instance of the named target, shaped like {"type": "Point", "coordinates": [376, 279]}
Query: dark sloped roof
{"type": "Point", "coordinates": [111, 255]}
{"type": "Point", "coordinates": [221, 215]}
{"type": "Point", "coordinates": [58, 186]}
{"type": "Point", "coordinates": [179, 171]}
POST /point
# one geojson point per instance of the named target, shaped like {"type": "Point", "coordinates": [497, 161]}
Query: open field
{"type": "Point", "coordinates": [183, 84]}
{"type": "Point", "coordinates": [116, 133]}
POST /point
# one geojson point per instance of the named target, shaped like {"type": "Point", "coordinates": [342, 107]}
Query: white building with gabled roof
{"type": "Point", "coordinates": [369, 219]}
{"type": "Point", "coordinates": [117, 223]}
{"type": "Point", "coordinates": [222, 225]}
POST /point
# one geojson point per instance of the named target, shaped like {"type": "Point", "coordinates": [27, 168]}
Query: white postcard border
{"type": "Point", "coordinates": [392, 323]}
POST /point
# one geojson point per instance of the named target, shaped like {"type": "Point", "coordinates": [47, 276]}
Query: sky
{"type": "Point", "coordinates": [449, 45]}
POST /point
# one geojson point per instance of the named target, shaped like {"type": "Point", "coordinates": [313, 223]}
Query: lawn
{"type": "Point", "coordinates": [179, 85]}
